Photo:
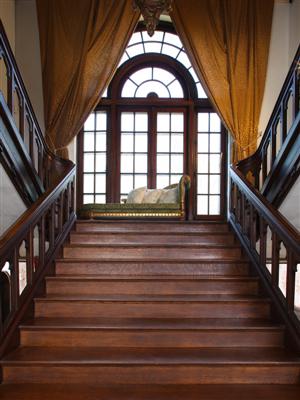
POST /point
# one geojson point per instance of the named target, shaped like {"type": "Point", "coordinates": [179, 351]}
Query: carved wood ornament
{"type": "Point", "coordinates": [151, 10]}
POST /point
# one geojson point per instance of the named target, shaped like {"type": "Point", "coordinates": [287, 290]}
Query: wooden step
{"type": "Point", "coordinates": [148, 392]}
{"type": "Point", "coordinates": [151, 226]}
{"type": "Point", "coordinates": [150, 284]}
{"type": "Point", "coordinates": [132, 267]}
{"type": "Point", "coordinates": [138, 306]}
{"type": "Point", "coordinates": [150, 366]}
{"type": "Point", "coordinates": [125, 332]}
{"type": "Point", "coordinates": [137, 237]}
{"type": "Point", "coordinates": [153, 252]}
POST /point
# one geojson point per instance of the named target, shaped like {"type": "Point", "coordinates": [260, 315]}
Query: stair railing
{"type": "Point", "coordinates": [270, 241]}
{"type": "Point", "coordinates": [275, 165]}
{"type": "Point", "coordinates": [29, 247]}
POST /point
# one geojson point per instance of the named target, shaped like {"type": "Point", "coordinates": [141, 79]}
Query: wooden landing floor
{"type": "Point", "coordinates": [144, 392]}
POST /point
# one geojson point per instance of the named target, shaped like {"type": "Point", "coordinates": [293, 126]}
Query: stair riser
{"type": "Point", "coordinates": [44, 308]}
{"type": "Point", "coordinates": [150, 268]}
{"type": "Point", "coordinates": [159, 253]}
{"type": "Point", "coordinates": [150, 287]}
{"type": "Point", "coordinates": [126, 227]}
{"type": "Point", "coordinates": [146, 338]}
{"type": "Point", "coordinates": [77, 238]}
{"type": "Point", "coordinates": [153, 374]}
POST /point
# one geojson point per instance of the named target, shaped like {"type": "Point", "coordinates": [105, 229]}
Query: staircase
{"type": "Point", "coordinates": [150, 306]}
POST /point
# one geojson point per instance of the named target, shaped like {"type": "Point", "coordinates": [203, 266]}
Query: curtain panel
{"type": "Point", "coordinates": [81, 44]}
{"type": "Point", "coordinates": [228, 44]}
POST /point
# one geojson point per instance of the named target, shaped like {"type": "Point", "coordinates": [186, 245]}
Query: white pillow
{"type": "Point", "coordinates": [152, 195]}
{"type": "Point", "coordinates": [136, 195]}
{"type": "Point", "coordinates": [169, 196]}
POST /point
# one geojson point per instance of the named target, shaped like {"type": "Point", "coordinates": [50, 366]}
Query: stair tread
{"type": "Point", "coordinates": [156, 298]}
{"type": "Point", "coordinates": [151, 323]}
{"type": "Point", "coordinates": [148, 392]}
{"type": "Point", "coordinates": [155, 277]}
{"type": "Point", "coordinates": [67, 260]}
{"type": "Point", "coordinates": [155, 245]}
{"type": "Point", "coordinates": [150, 356]}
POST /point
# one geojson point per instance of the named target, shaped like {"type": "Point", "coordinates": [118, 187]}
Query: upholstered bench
{"type": "Point", "coordinates": [173, 209]}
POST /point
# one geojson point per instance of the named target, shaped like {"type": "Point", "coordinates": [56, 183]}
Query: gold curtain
{"type": "Point", "coordinates": [228, 44]}
{"type": "Point", "coordinates": [81, 43]}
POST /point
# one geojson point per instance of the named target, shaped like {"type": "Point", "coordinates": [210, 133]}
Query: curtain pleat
{"type": "Point", "coordinates": [81, 44]}
{"type": "Point", "coordinates": [228, 44]}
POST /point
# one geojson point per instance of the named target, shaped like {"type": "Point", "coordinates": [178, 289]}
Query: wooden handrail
{"type": "Point", "coordinates": [29, 247]}
{"type": "Point", "coordinates": [281, 133]}
{"type": "Point", "coordinates": [263, 232]}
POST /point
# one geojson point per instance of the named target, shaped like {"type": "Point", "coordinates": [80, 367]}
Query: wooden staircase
{"type": "Point", "coordinates": [150, 306]}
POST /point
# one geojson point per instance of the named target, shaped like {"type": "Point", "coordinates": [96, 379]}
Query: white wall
{"type": "Point", "coordinates": [7, 15]}
{"type": "Point", "coordinates": [285, 39]}
{"type": "Point", "coordinates": [28, 54]}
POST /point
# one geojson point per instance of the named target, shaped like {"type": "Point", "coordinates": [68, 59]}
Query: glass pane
{"type": "Point", "coordinates": [152, 87]}
{"type": "Point", "coordinates": [129, 89]}
{"type": "Point", "coordinates": [100, 162]}
{"type": "Point", "coordinates": [141, 163]}
{"type": "Point", "coordinates": [126, 163]}
{"type": "Point", "coordinates": [193, 73]}
{"type": "Point", "coordinates": [214, 163]}
{"type": "Point", "coordinates": [90, 123]}
{"type": "Point", "coordinates": [203, 163]}
{"type": "Point", "coordinates": [201, 92]}
{"type": "Point", "coordinates": [177, 122]}
{"type": "Point", "coordinates": [202, 184]}
{"type": "Point", "coordinates": [141, 122]}
{"type": "Point", "coordinates": [100, 141]}
{"type": "Point", "coordinates": [88, 141]}
{"type": "Point", "coordinates": [101, 199]}
{"type": "Point", "coordinates": [215, 123]}
{"type": "Point", "coordinates": [162, 181]}
{"type": "Point", "coordinates": [101, 121]}
{"type": "Point", "coordinates": [202, 122]}
{"type": "Point", "coordinates": [183, 59]}
{"type": "Point", "coordinates": [88, 162]}
{"type": "Point", "coordinates": [100, 183]}
{"type": "Point", "coordinates": [215, 143]}
{"type": "Point", "coordinates": [127, 121]}
{"type": "Point", "coordinates": [203, 143]}
{"type": "Point", "coordinates": [88, 183]}
{"type": "Point", "coordinates": [126, 183]}
{"type": "Point", "coordinates": [176, 90]}
{"type": "Point", "coordinates": [163, 143]}
{"type": "Point", "coordinates": [123, 59]}
{"type": "Point", "coordinates": [141, 142]}
{"type": "Point", "coordinates": [175, 179]}
{"type": "Point", "coordinates": [163, 122]}
{"type": "Point", "coordinates": [140, 181]}
{"type": "Point", "coordinates": [135, 38]}
{"type": "Point", "coordinates": [127, 142]}
{"type": "Point", "coordinates": [162, 163]}
{"type": "Point", "coordinates": [163, 76]}
{"type": "Point", "coordinates": [152, 47]}
{"type": "Point", "coordinates": [177, 143]}
{"type": "Point", "coordinates": [172, 39]}
{"type": "Point", "coordinates": [202, 205]}
{"type": "Point", "coordinates": [135, 50]}
{"type": "Point", "coordinates": [214, 205]}
{"type": "Point", "coordinates": [170, 50]}
{"type": "Point", "coordinates": [214, 184]}
{"type": "Point", "coordinates": [177, 163]}
{"type": "Point", "coordinates": [142, 75]}
{"type": "Point", "coordinates": [88, 199]}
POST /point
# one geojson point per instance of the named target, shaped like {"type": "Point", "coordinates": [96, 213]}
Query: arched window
{"type": "Point", "coordinates": [153, 124]}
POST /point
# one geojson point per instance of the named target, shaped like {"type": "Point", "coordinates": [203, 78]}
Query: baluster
{"type": "Point", "coordinates": [14, 270]}
{"type": "Point", "coordinates": [243, 213]}
{"type": "Point", "coordinates": [41, 226]}
{"type": "Point", "coordinates": [72, 196]}
{"type": "Point", "coordinates": [290, 280]}
{"type": "Point", "coordinates": [52, 226]}
{"type": "Point", "coordinates": [29, 256]}
{"type": "Point", "coordinates": [275, 259]}
{"type": "Point", "coordinates": [10, 85]}
{"type": "Point", "coordinates": [66, 203]}
{"type": "Point", "coordinates": [60, 212]}
{"type": "Point", "coordinates": [263, 241]}
{"type": "Point", "coordinates": [252, 226]}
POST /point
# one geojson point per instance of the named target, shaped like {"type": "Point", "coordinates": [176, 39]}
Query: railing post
{"type": "Point", "coordinates": [290, 280]}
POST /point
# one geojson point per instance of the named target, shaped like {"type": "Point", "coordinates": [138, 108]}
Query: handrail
{"type": "Point", "coordinates": [270, 241]}
{"type": "Point", "coordinates": [29, 247]}
{"type": "Point", "coordinates": [283, 128]}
